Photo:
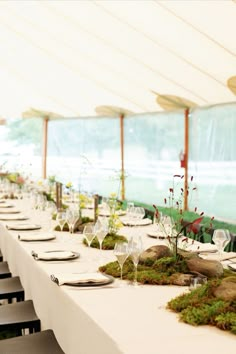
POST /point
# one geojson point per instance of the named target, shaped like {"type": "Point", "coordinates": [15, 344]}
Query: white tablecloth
{"type": "Point", "coordinates": [107, 320]}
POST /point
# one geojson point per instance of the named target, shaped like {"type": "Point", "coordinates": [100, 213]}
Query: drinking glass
{"type": "Point", "coordinates": [121, 251]}
{"type": "Point", "coordinates": [89, 233]}
{"type": "Point", "coordinates": [135, 250]}
{"type": "Point", "coordinates": [221, 239]}
{"type": "Point", "coordinates": [101, 230]}
{"type": "Point", "coordinates": [61, 219]}
{"type": "Point", "coordinates": [71, 218]}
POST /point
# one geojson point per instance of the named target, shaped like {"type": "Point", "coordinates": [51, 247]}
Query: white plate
{"type": "Point", "coordinates": [159, 235]}
{"type": "Point", "coordinates": [36, 237]}
{"type": "Point", "coordinates": [6, 205]}
{"type": "Point", "coordinates": [9, 211]}
{"type": "Point", "coordinates": [107, 213]}
{"type": "Point", "coordinates": [82, 279]}
{"type": "Point", "coordinates": [13, 217]}
{"type": "Point", "coordinates": [142, 222]}
{"type": "Point", "coordinates": [57, 255]}
{"type": "Point", "coordinates": [23, 227]}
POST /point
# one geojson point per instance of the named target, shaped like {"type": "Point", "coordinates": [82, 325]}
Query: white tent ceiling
{"type": "Point", "coordinates": [72, 56]}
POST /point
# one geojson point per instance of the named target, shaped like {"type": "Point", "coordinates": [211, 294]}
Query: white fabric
{"type": "Point", "coordinates": [108, 320]}
{"type": "Point", "coordinates": [197, 247]}
{"type": "Point", "coordinates": [114, 53]}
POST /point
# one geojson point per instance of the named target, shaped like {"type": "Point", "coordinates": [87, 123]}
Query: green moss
{"type": "Point", "coordinates": [200, 307]}
{"type": "Point", "coordinates": [227, 321]}
{"type": "Point", "coordinates": [108, 243]}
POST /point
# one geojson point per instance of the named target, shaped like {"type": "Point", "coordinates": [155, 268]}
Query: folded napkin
{"type": "Point", "coordinates": [53, 255]}
{"type": "Point", "coordinates": [197, 247]}
{"type": "Point", "coordinates": [79, 278]}
{"type": "Point", "coordinates": [36, 237]}
{"type": "Point", "coordinates": [216, 257]}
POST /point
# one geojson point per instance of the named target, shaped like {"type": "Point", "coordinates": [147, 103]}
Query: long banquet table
{"type": "Point", "coordinates": [103, 320]}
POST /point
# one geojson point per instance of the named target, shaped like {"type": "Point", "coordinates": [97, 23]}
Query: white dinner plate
{"type": "Point", "coordinates": [9, 211]}
{"type": "Point", "coordinates": [57, 255]}
{"type": "Point", "coordinates": [13, 217]}
{"type": "Point", "coordinates": [6, 205]}
{"type": "Point", "coordinates": [142, 222]}
{"type": "Point", "coordinates": [82, 279]}
{"type": "Point", "coordinates": [159, 235]}
{"type": "Point", "coordinates": [36, 237]}
{"type": "Point", "coordinates": [23, 227]}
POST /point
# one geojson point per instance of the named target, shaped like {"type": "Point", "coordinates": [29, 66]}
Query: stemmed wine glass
{"type": "Point", "coordinates": [221, 239]}
{"type": "Point", "coordinates": [89, 233]}
{"type": "Point", "coordinates": [61, 218]}
{"type": "Point", "coordinates": [71, 218]}
{"type": "Point", "coordinates": [135, 250]}
{"type": "Point", "coordinates": [121, 251]}
{"type": "Point", "coordinates": [101, 230]}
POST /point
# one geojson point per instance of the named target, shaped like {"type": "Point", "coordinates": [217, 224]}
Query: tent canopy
{"type": "Point", "coordinates": [73, 56]}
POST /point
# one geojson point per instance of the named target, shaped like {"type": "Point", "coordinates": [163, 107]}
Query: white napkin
{"type": "Point", "coordinates": [53, 255]}
{"type": "Point", "coordinates": [215, 256]}
{"type": "Point", "coordinates": [197, 247]}
{"type": "Point", "coordinates": [82, 278]}
{"type": "Point", "coordinates": [36, 237]}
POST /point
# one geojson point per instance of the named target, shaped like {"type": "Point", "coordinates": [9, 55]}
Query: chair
{"type": "Point", "coordinates": [1, 256]}
{"type": "Point", "coordinates": [19, 316]}
{"type": "Point", "coordinates": [38, 343]}
{"type": "Point", "coordinates": [4, 270]}
{"type": "Point", "coordinates": [149, 214]}
{"type": "Point", "coordinates": [11, 288]}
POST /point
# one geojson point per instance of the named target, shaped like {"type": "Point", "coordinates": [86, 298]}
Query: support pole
{"type": "Point", "coordinates": [122, 156]}
{"type": "Point", "coordinates": [45, 147]}
{"type": "Point", "coordinates": [186, 153]}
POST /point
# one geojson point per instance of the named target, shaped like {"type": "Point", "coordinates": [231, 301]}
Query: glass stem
{"type": "Point", "coordinates": [135, 274]}
{"type": "Point", "coordinates": [121, 272]}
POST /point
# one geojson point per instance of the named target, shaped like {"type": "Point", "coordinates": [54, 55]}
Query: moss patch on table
{"type": "Point", "coordinates": [201, 307]}
{"type": "Point", "coordinates": [108, 243]}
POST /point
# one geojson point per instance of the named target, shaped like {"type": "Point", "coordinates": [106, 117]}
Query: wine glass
{"type": "Point", "coordinates": [221, 239]}
{"type": "Point", "coordinates": [71, 218]}
{"type": "Point", "coordinates": [101, 230]}
{"type": "Point", "coordinates": [89, 233]}
{"type": "Point", "coordinates": [61, 218]}
{"type": "Point", "coordinates": [135, 250]}
{"type": "Point", "coordinates": [121, 251]}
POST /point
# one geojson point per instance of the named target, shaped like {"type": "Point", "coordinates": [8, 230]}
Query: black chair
{"type": "Point", "coordinates": [1, 256]}
{"type": "Point", "coordinates": [11, 288]}
{"type": "Point", "coordinates": [38, 343]}
{"type": "Point", "coordinates": [19, 316]}
{"type": "Point", "coordinates": [4, 270]}
{"type": "Point", "coordinates": [149, 214]}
